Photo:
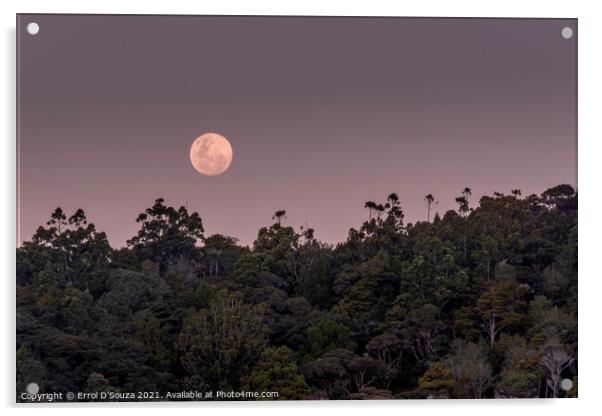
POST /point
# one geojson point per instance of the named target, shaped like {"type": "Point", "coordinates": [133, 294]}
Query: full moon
{"type": "Point", "coordinates": [211, 154]}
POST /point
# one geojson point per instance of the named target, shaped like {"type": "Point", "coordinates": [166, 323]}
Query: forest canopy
{"type": "Point", "coordinates": [480, 302]}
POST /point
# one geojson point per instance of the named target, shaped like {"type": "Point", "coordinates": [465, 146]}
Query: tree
{"type": "Point", "coordinates": [386, 226]}
{"type": "Point", "coordinates": [424, 327]}
{"type": "Point", "coordinates": [467, 192]}
{"type": "Point", "coordinates": [71, 248]}
{"type": "Point", "coordinates": [315, 270]}
{"type": "Point", "coordinates": [429, 200]}
{"type": "Point", "coordinates": [279, 216]}
{"type": "Point", "coordinates": [555, 282]}
{"type": "Point", "coordinates": [205, 294]}
{"type": "Point", "coordinates": [58, 219]}
{"type": "Point", "coordinates": [127, 293]}
{"type": "Point", "coordinates": [501, 307]}
{"type": "Point", "coordinates": [155, 340]}
{"type": "Point", "coordinates": [167, 233]}
{"type": "Point", "coordinates": [394, 218]}
{"type": "Point", "coordinates": [222, 343]}
{"type": "Point", "coordinates": [326, 335]}
{"type": "Point", "coordinates": [520, 374]}
{"type": "Point", "coordinates": [463, 202]}
{"type": "Point", "coordinates": [547, 322]}
{"type": "Point", "coordinates": [220, 254]}
{"type": "Point", "coordinates": [518, 384]}
{"type": "Point", "coordinates": [559, 196]}
{"type": "Point", "coordinates": [330, 373]}
{"type": "Point", "coordinates": [465, 323]}
{"type": "Point", "coordinates": [554, 361]}
{"type": "Point", "coordinates": [472, 373]}
{"type": "Point", "coordinates": [388, 349]}
{"type": "Point", "coordinates": [432, 276]}
{"type": "Point", "coordinates": [366, 371]}
{"type": "Point", "coordinates": [437, 380]}
{"type": "Point", "coordinates": [395, 310]}
{"type": "Point", "coordinates": [290, 317]}
{"type": "Point", "coordinates": [371, 206]}
{"type": "Point", "coordinates": [276, 250]}
{"type": "Point", "coordinates": [277, 371]}
{"type": "Point", "coordinates": [366, 290]}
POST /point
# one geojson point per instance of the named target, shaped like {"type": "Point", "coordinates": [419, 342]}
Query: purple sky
{"type": "Point", "coordinates": [322, 114]}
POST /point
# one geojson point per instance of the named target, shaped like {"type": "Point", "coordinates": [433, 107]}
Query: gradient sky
{"type": "Point", "coordinates": [322, 114]}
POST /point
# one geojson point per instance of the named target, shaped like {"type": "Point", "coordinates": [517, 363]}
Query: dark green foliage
{"type": "Point", "coordinates": [518, 384]}
{"type": "Point", "coordinates": [277, 371]}
{"type": "Point", "coordinates": [331, 373]}
{"type": "Point", "coordinates": [167, 234]}
{"type": "Point", "coordinates": [481, 302]}
{"type": "Point", "coordinates": [325, 335]}
{"type": "Point", "coordinates": [221, 343]}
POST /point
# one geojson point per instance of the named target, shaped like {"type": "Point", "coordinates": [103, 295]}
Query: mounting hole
{"type": "Point", "coordinates": [566, 32]}
{"type": "Point", "coordinates": [32, 388]}
{"type": "Point", "coordinates": [33, 28]}
{"type": "Point", "coordinates": [566, 384]}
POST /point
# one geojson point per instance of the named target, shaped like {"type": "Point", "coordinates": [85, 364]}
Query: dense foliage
{"type": "Point", "coordinates": [481, 302]}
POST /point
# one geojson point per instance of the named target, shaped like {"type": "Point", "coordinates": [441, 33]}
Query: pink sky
{"type": "Point", "coordinates": [322, 114]}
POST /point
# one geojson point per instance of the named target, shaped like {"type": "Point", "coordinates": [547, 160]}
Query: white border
{"type": "Point", "coordinates": [590, 111]}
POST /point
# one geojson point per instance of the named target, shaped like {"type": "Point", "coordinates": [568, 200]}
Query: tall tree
{"type": "Point", "coordinates": [429, 200]}
{"type": "Point", "coordinates": [166, 233]}
{"type": "Point", "coordinates": [279, 216]}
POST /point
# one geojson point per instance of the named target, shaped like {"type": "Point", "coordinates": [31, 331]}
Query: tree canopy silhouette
{"type": "Point", "coordinates": [480, 302]}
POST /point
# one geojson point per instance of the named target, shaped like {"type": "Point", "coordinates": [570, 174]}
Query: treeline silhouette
{"type": "Point", "coordinates": [481, 302]}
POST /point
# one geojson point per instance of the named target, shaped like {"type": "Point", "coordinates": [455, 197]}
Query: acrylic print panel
{"type": "Point", "coordinates": [284, 208]}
